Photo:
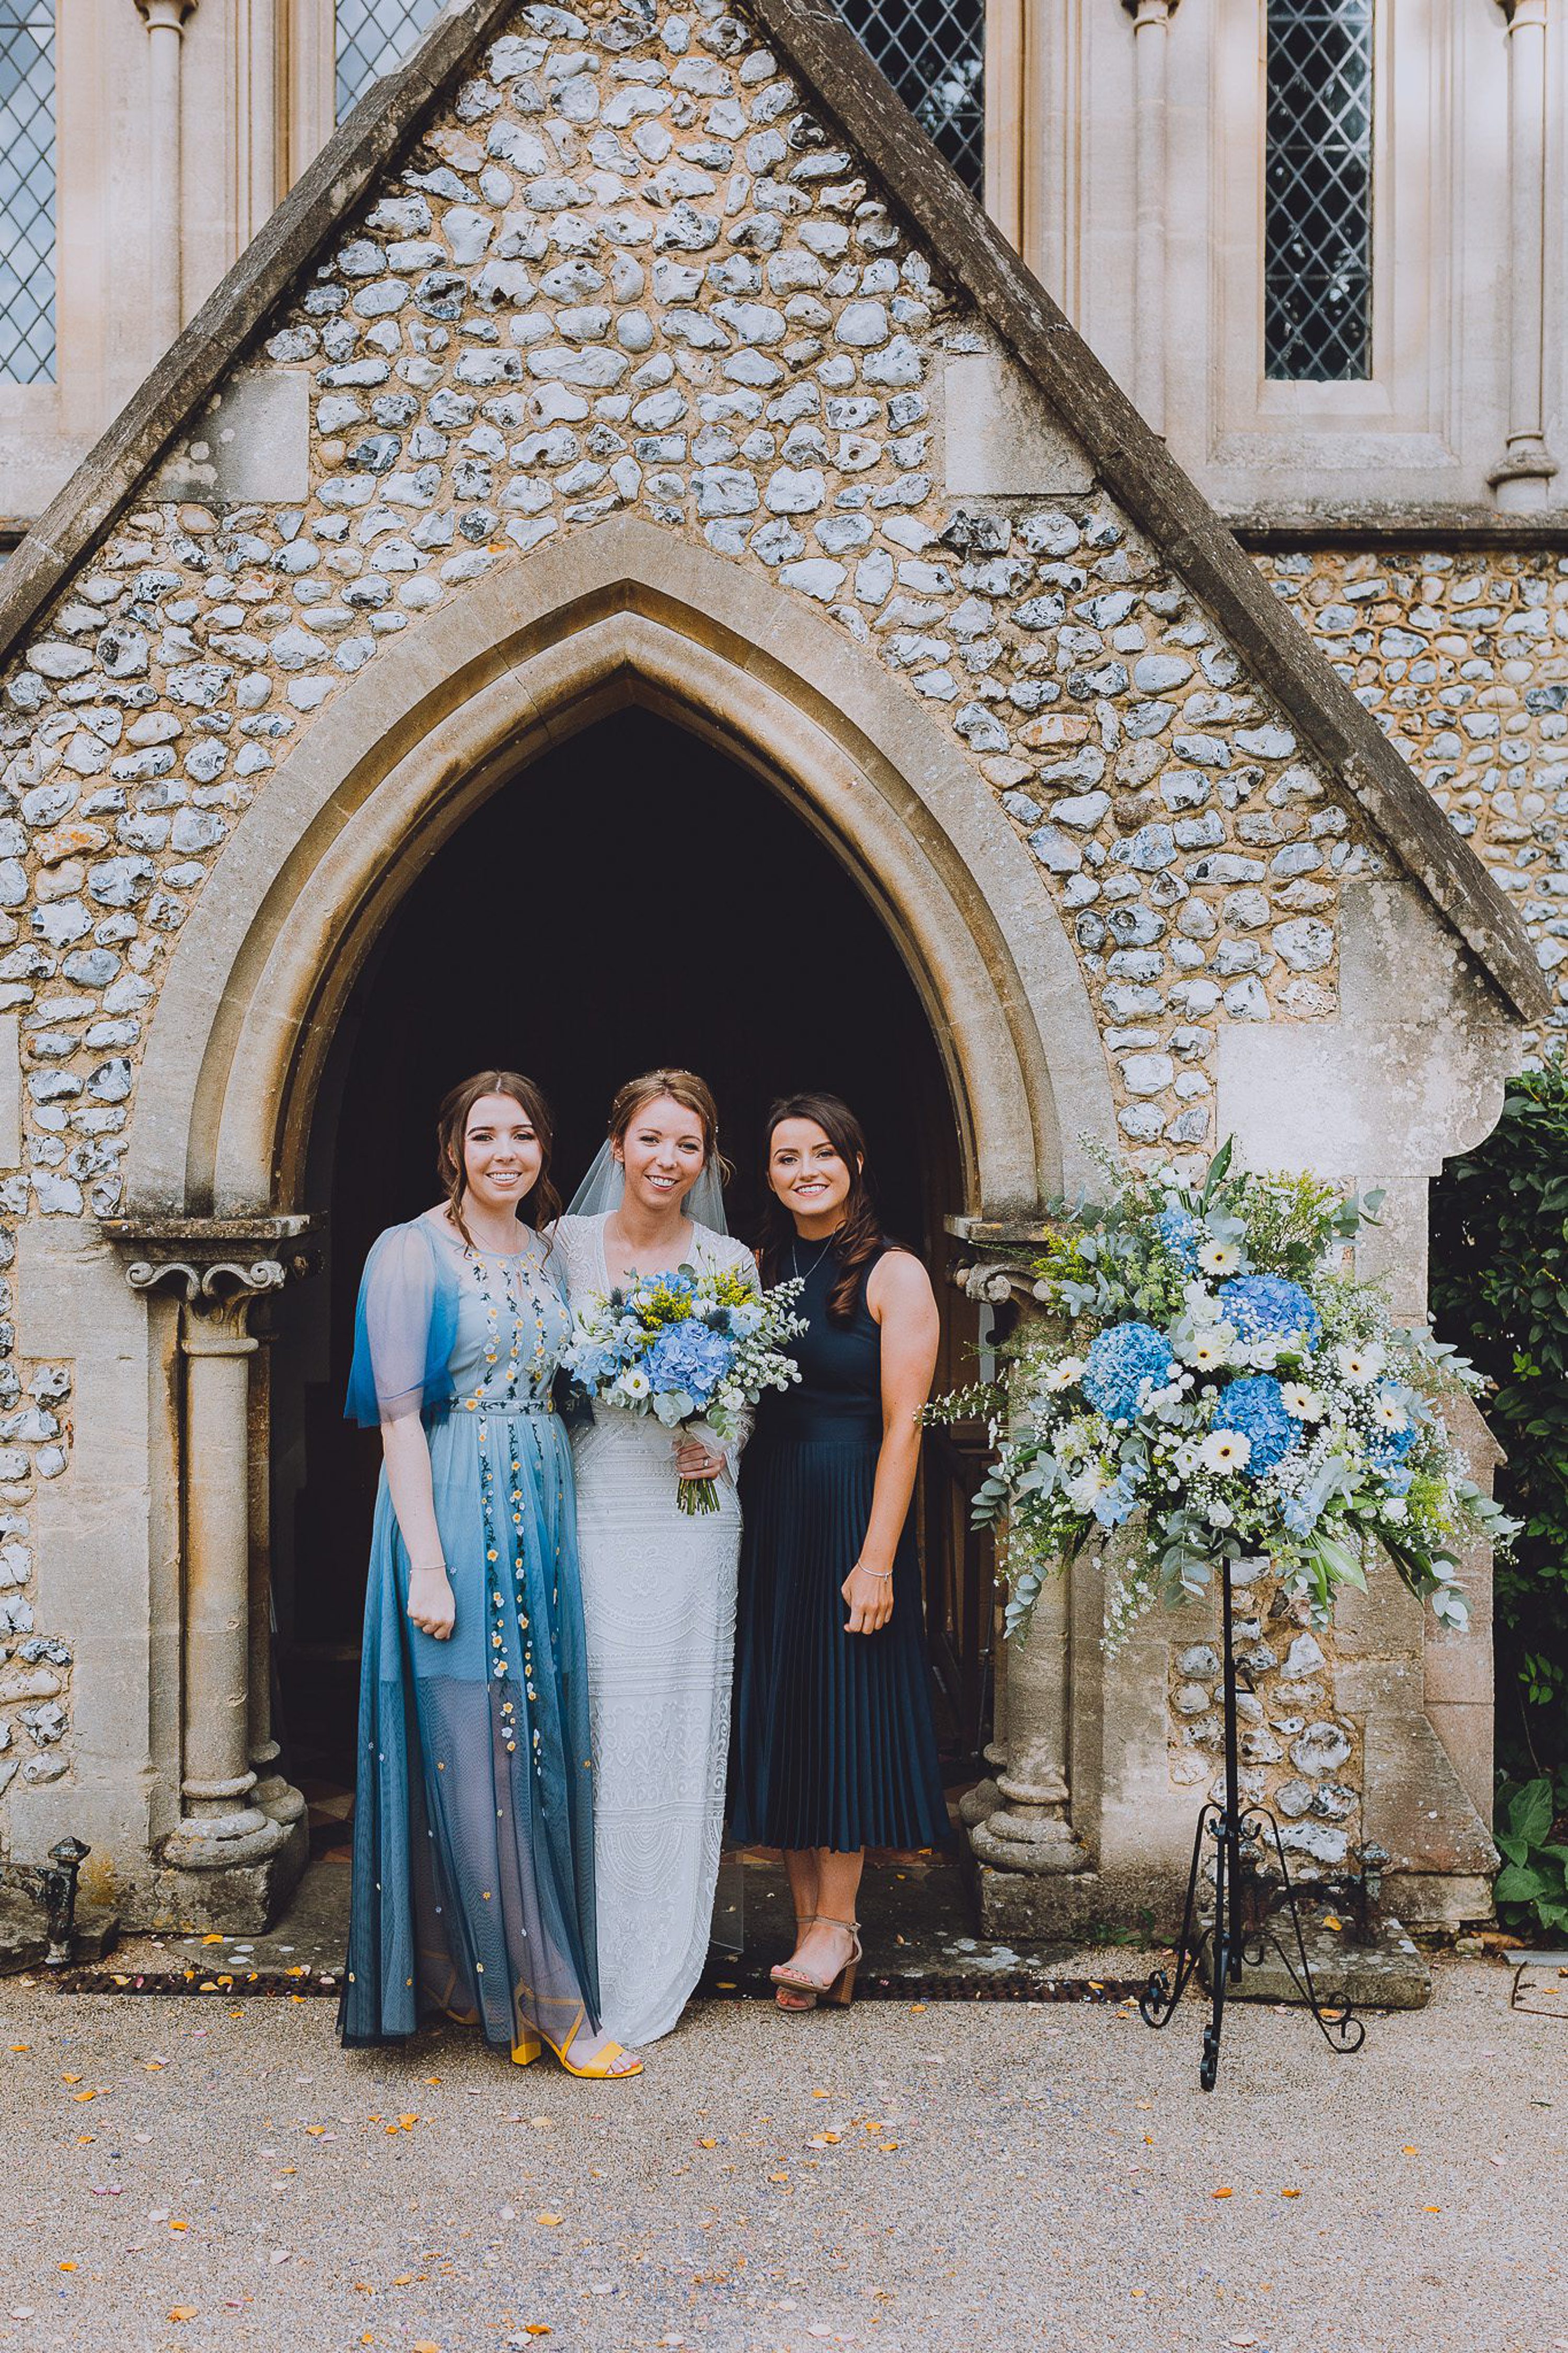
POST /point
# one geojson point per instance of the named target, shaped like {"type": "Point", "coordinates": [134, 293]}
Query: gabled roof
{"type": "Point", "coordinates": [816, 46]}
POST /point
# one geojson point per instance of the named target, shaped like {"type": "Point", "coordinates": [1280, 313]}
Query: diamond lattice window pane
{"type": "Point", "coordinates": [26, 191]}
{"type": "Point", "coordinates": [1317, 277]}
{"type": "Point", "coordinates": [933, 53]}
{"type": "Point", "coordinates": [373, 36]}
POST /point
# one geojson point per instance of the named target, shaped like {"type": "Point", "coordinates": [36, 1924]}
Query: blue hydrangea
{"type": "Point", "coordinates": [1256, 1406]}
{"type": "Point", "coordinates": [1180, 1232]}
{"type": "Point", "coordinates": [1268, 1307]}
{"type": "Point", "coordinates": [1121, 1359]}
{"type": "Point", "coordinates": [689, 1356]}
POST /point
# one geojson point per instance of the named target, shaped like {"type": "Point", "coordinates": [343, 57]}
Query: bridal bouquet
{"type": "Point", "coordinates": [1216, 1365]}
{"type": "Point", "coordinates": [693, 1347]}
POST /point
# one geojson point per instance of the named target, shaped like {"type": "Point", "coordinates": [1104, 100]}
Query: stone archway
{"type": "Point", "coordinates": [622, 613]}
{"type": "Point", "coordinates": [389, 771]}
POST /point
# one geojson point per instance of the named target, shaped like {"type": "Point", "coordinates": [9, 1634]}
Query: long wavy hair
{"type": "Point", "coordinates": [683, 1086]}
{"type": "Point", "coordinates": [540, 1206]}
{"type": "Point", "coordinates": [859, 1237]}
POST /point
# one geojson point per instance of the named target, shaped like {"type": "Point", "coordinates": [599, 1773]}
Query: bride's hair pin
{"type": "Point", "coordinates": [683, 1086]}
{"type": "Point", "coordinates": [542, 1205]}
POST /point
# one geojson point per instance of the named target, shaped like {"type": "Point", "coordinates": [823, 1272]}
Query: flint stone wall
{"type": "Point", "coordinates": [1462, 656]}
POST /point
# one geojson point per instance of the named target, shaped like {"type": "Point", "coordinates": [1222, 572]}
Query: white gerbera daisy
{"type": "Point", "coordinates": [1062, 1376]}
{"type": "Point", "coordinates": [1359, 1365]}
{"type": "Point", "coordinates": [1303, 1404]}
{"type": "Point", "coordinates": [1219, 1258]}
{"type": "Point", "coordinates": [1226, 1450]}
{"type": "Point", "coordinates": [1387, 1412]}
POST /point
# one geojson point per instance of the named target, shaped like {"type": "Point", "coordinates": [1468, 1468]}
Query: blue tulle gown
{"type": "Point", "coordinates": [473, 1888]}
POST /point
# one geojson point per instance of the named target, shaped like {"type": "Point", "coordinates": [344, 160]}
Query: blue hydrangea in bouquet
{"type": "Point", "coordinates": [695, 1347]}
{"type": "Point", "coordinates": [1210, 1360]}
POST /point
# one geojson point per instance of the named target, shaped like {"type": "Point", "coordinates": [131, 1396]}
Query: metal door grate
{"type": "Point", "coordinates": [933, 53]}
{"type": "Point", "coordinates": [1316, 303]}
{"type": "Point", "coordinates": [373, 36]}
{"type": "Point", "coordinates": [27, 191]}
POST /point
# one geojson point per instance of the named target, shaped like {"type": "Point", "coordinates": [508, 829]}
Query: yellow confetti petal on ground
{"type": "Point", "coordinates": [536, 2328]}
{"type": "Point", "coordinates": [1222, 2193]}
{"type": "Point", "coordinates": [21, 2046]}
{"type": "Point", "coordinates": [183, 2312]}
{"type": "Point", "coordinates": [1290, 2193]}
{"type": "Point", "coordinates": [179, 2226]}
{"type": "Point", "coordinates": [403, 2279]}
{"type": "Point", "coordinates": [213, 1941]}
{"type": "Point", "coordinates": [549, 2220]}
{"type": "Point", "coordinates": [707, 2144]}
{"type": "Point", "coordinates": [68, 2267]}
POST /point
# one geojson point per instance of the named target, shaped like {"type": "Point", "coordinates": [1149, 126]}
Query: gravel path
{"type": "Point", "coordinates": [200, 2174]}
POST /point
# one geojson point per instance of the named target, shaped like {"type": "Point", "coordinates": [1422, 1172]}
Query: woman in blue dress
{"type": "Point", "coordinates": [836, 1750]}
{"type": "Point", "coordinates": [473, 1849]}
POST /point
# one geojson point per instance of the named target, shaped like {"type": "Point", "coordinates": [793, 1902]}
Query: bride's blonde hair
{"type": "Point", "coordinates": [684, 1087]}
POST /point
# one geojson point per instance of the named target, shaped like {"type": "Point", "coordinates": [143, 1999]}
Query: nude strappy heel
{"type": "Point", "coordinates": [802, 1921]}
{"type": "Point", "coordinates": [840, 1988]}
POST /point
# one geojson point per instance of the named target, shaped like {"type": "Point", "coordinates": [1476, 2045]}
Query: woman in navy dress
{"type": "Point", "coordinates": [836, 1747]}
{"type": "Point", "coordinates": [473, 1845]}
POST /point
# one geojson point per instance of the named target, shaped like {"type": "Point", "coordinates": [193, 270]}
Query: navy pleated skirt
{"type": "Point", "coordinates": [834, 1744]}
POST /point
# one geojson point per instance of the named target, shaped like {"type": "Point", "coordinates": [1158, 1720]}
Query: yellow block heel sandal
{"type": "Point", "coordinates": [601, 2068]}
{"type": "Point", "coordinates": [526, 2050]}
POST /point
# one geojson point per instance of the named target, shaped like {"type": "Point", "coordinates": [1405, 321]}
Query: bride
{"type": "Point", "coordinates": [658, 1586]}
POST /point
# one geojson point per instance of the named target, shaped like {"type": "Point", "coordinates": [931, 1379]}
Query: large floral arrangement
{"type": "Point", "coordinates": [695, 1347]}
{"type": "Point", "coordinates": [1213, 1363]}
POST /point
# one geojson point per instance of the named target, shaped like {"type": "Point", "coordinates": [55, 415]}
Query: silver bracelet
{"type": "Point", "coordinates": [427, 1568]}
{"type": "Point", "coordinates": [880, 1574]}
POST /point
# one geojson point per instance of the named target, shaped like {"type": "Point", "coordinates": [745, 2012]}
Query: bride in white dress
{"type": "Point", "coordinates": [658, 1585]}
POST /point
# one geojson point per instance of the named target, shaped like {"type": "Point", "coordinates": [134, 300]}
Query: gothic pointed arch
{"type": "Point", "coordinates": [625, 612]}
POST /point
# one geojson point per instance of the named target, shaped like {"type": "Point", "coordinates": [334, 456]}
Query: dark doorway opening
{"type": "Point", "coordinates": [631, 899]}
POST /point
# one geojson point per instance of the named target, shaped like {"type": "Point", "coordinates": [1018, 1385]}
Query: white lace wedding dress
{"type": "Point", "coordinates": [658, 1603]}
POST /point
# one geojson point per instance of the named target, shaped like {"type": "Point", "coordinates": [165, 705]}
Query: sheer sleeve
{"type": "Point", "coordinates": [404, 1331]}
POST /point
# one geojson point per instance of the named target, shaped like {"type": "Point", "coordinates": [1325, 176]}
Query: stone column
{"type": "Point", "coordinates": [1027, 1853]}
{"type": "Point", "coordinates": [165, 21]}
{"type": "Point", "coordinates": [1520, 477]}
{"type": "Point", "coordinates": [273, 1793]}
{"type": "Point", "coordinates": [1151, 25]}
{"type": "Point", "coordinates": [240, 1843]}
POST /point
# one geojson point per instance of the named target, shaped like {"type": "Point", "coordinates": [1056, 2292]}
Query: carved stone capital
{"type": "Point", "coordinates": [216, 1265]}
{"type": "Point", "coordinates": [166, 16]}
{"type": "Point", "coordinates": [1522, 14]}
{"type": "Point", "coordinates": [1154, 12]}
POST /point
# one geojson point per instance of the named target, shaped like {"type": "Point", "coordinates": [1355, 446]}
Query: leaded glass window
{"type": "Point", "coordinates": [933, 53]}
{"type": "Point", "coordinates": [27, 191]}
{"type": "Point", "coordinates": [373, 36]}
{"type": "Point", "coordinates": [1317, 299]}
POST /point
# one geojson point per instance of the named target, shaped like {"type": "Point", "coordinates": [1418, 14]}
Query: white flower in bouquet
{"type": "Point", "coordinates": [1303, 1403]}
{"type": "Point", "coordinates": [1226, 1450]}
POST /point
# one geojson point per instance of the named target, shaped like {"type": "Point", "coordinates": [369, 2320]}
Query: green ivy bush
{"type": "Point", "coordinates": [1499, 1291]}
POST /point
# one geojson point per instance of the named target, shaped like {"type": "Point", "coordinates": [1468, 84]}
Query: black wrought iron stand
{"type": "Point", "coordinates": [1247, 1899]}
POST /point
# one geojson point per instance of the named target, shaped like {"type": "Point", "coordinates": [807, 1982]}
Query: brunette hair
{"type": "Point", "coordinates": [683, 1086]}
{"type": "Point", "coordinates": [860, 1238]}
{"type": "Point", "coordinates": [543, 1203]}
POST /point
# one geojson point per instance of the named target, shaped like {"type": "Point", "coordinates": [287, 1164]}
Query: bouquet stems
{"type": "Point", "coordinates": [698, 1495]}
